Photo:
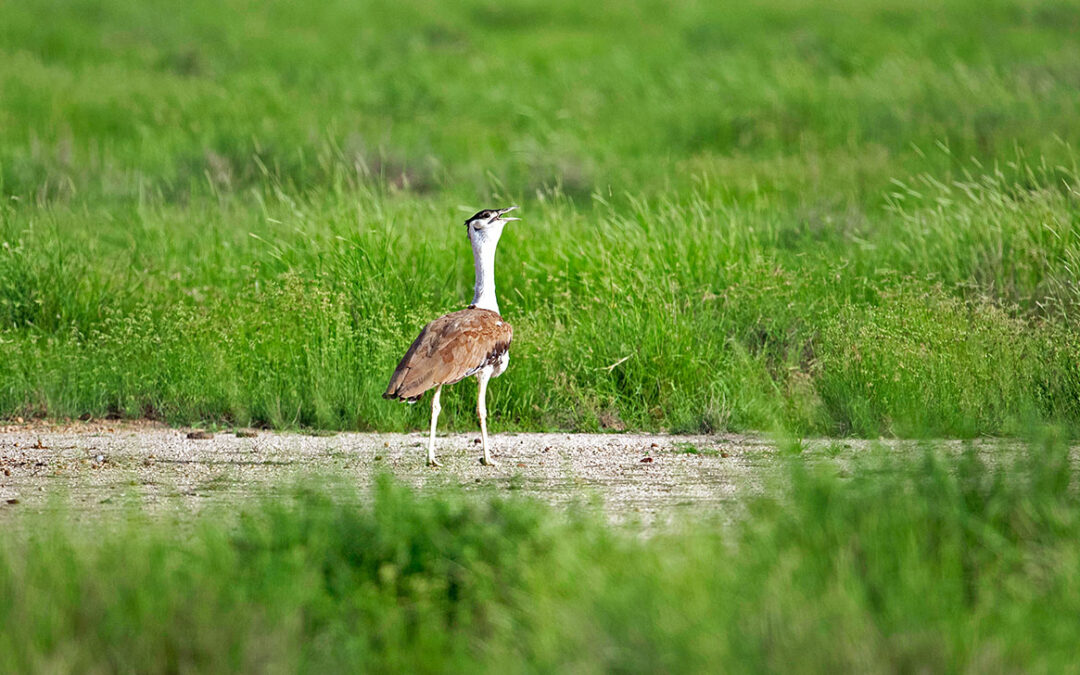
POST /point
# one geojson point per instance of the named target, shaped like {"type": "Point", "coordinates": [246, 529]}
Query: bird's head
{"type": "Point", "coordinates": [488, 224]}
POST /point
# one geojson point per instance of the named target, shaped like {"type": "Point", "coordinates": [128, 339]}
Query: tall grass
{"type": "Point", "coordinates": [842, 218]}
{"type": "Point", "coordinates": [294, 315]}
{"type": "Point", "coordinates": [943, 564]}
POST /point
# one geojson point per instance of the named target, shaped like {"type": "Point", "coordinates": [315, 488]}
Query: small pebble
{"type": "Point", "coordinates": [200, 435]}
{"type": "Point", "coordinates": [646, 460]}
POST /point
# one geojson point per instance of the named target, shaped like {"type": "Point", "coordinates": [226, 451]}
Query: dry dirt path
{"type": "Point", "coordinates": [98, 467]}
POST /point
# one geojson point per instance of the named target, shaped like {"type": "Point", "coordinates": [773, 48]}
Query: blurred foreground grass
{"type": "Point", "coordinates": [827, 217]}
{"type": "Point", "coordinates": [945, 564]}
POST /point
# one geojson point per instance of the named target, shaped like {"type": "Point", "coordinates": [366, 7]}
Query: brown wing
{"type": "Point", "coordinates": [450, 349]}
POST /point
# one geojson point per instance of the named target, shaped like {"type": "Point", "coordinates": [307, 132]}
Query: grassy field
{"type": "Point", "coordinates": [946, 564]}
{"type": "Point", "coordinates": [833, 217]}
{"type": "Point", "coordinates": [824, 217]}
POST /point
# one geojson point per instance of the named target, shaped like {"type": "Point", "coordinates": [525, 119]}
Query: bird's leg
{"type": "Point", "coordinates": [435, 408]}
{"type": "Point", "coordinates": [481, 410]}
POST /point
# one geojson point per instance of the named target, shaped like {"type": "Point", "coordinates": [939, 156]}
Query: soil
{"type": "Point", "coordinates": [94, 467]}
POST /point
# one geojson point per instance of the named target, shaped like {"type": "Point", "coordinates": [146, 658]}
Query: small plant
{"type": "Point", "coordinates": [516, 482]}
{"type": "Point", "coordinates": [793, 446]}
{"type": "Point", "coordinates": [684, 448]}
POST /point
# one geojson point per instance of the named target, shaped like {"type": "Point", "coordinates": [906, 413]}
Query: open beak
{"type": "Point", "coordinates": [508, 209]}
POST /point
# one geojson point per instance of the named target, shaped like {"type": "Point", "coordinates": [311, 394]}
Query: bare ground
{"type": "Point", "coordinates": [97, 467]}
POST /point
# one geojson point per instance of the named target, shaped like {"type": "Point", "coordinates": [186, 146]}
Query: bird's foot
{"type": "Point", "coordinates": [487, 461]}
{"type": "Point", "coordinates": [432, 462]}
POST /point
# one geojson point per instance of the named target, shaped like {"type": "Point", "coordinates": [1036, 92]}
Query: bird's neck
{"type": "Point", "coordinates": [484, 259]}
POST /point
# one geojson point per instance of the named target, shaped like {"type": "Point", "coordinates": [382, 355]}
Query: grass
{"type": "Point", "coordinates": [944, 564]}
{"type": "Point", "coordinates": [836, 218]}
{"type": "Point", "coordinates": [827, 218]}
{"type": "Point", "coordinates": [691, 449]}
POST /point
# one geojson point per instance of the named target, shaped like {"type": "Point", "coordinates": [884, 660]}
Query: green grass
{"type": "Point", "coordinates": [942, 564]}
{"type": "Point", "coordinates": [830, 218]}
{"type": "Point", "coordinates": [691, 449]}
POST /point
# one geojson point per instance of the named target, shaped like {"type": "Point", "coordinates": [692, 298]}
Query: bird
{"type": "Point", "coordinates": [471, 341]}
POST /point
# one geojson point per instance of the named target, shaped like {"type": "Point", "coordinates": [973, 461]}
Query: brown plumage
{"type": "Point", "coordinates": [448, 350]}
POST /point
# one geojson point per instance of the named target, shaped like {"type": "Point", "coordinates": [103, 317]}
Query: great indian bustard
{"type": "Point", "coordinates": [472, 341]}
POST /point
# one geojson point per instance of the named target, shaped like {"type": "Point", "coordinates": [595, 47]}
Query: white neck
{"type": "Point", "coordinates": [483, 245]}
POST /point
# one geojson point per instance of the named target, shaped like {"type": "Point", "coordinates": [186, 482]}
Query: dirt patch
{"type": "Point", "coordinates": [100, 466]}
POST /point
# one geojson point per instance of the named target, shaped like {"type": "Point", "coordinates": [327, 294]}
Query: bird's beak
{"type": "Point", "coordinates": [508, 209]}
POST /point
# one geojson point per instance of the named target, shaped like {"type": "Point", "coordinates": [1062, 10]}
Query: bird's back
{"type": "Point", "coordinates": [448, 350]}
